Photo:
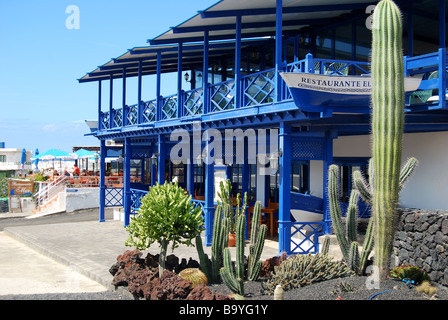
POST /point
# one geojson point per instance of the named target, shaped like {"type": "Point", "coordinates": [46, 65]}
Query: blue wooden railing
{"type": "Point", "coordinates": [260, 88]}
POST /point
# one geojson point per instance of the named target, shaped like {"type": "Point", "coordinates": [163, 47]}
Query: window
{"type": "Point", "coordinates": [346, 169]}
{"type": "Point", "coordinates": [2, 158]}
{"type": "Point", "coordinates": [300, 176]}
{"type": "Point", "coordinates": [300, 179]}
{"type": "Point", "coordinates": [199, 174]}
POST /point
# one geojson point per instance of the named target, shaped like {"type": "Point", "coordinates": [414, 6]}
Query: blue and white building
{"type": "Point", "coordinates": [227, 62]}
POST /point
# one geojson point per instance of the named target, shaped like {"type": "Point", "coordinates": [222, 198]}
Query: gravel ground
{"type": "Point", "coordinates": [326, 290]}
{"type": "Point", "coordinates": [331, 290]}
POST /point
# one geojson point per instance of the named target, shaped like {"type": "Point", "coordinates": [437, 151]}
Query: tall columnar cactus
{"type": "Point", "coordinates": [388, 97]}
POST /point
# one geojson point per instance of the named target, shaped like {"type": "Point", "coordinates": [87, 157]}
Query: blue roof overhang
{"type": "Point", "coordinates": [192, 57]}
{"type": "Point", "coordinates": [258, 17]}
{"type": "Point", "coordinates": [258, 20]}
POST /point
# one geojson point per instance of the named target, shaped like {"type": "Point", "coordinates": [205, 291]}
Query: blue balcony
{"type": "Point", "coordinates": [227, 99]}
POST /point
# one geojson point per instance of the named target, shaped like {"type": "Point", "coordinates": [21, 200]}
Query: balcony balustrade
{"type": "Point", "coordinates": [259, 89]}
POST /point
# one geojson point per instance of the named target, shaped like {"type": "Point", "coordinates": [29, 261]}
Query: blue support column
{"type": "Point", "coordinates": [99, 106]}
{"type": "Point", "coordinates": [161, 160]}
{"type": "Point", "coordinates": [410, 16]}
{"type": "Point", "coordinates": [158, 84]}
{"type": "Point", "coordinates": [245, 186]}
{"type": "Point", "coordinates": [328, 160]}
{"type": "Point", "coordinates": [127, 181]}
{"type": "Point", "coordinates": [102, 180]}
{"type": "Point", "coordinates": [190, 171]}
{"type": "Point", "coordinates": [111, 102]}
{"type": "Point", "coordinates": [123, 103]}
{"type": "Point", "coordinates": [442, 24]}
{"type": "Point", "coordinates": [139, 94]}
{"type": "Point", "coordinates": [278, 49]}
{"type": "Point", "coordinates": [179, 81]}
{"type": "Point", "coordinates": [205, 93]}
{"type": "Point", "coordinates": [284, 216]}
{"type": "Point", "coordinates": [209, 209]}
{"type": "Point", "coordinates": [442, 78]}
{"type": "Point", "coordinates": [238, 84]}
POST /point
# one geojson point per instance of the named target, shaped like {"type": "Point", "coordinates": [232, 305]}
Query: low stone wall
{"type": "Point", "coordinates": [422, 240]}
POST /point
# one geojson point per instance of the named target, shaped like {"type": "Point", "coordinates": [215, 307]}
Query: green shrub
{"type": "Point", "coordinates": [166, 215]}
{"type": "Point", "coordinates": [409, 272]}
{"type": "Point", "coordinates": [4, 189]}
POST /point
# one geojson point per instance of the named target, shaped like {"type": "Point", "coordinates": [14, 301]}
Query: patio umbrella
{"type": "Point", "coordinates": [84, 154]}
{"type": "Point", "coordinates": [36, 162]}
{"type": "Point", "coordinates": [52, 154]}
{"type": "Point", "coordinates": [23, 159]}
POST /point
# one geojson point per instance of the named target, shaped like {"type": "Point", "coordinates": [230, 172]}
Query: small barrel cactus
{"type": "Point", "coordinates": [196, 276]}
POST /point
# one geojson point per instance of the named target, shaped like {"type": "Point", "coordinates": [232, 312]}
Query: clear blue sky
{"type": "Point", "coordinates": [42, 104]}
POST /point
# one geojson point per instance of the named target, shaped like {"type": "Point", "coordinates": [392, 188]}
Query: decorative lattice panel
{"type": "Point", "coordinates": [149, 111]}
{"type": "Point", "coordinates": [132, 115]}
{"type": "Point", "coordinates": [307, 149]}
{"type": "Point", "coordinates": [114, 197]}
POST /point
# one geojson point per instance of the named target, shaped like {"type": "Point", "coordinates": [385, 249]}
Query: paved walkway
{"type": "Point", "coordinates": [92, 247]}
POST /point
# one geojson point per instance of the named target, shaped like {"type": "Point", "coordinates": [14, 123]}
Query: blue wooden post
{"type": "Point", "coordinates": [111, 102]}
{"type": "Point", "coordinates": [442, 78]}
{"type": "Point", "coordinates": [328, 160]}
{"type": "Point", "coordinates": [442, 24]}
{"type": "Point", "coordinates": [410, 16]}
{"type": "Point", "coordinates": [205, 92]}
{"type": "Point", "coordinates": [238, 83]}
{"type": "Point", "coordinates": [102, 180]}
{"type": "Point", "coordinates": [278, 49]}
{"type": "Point", "coordinates": [309, 63]}
{"type": "Point", "coordinates": [190, 170]}
{"type": "Point", "coordinates": [99, 106]}
{"type": "Point", "coordinates": [179, 81]}
{"type": "Point", "coordinates": [159, 102]}
{"type": "Point", "coordinates": [209, 209]}
{"type": "Point", "coordinates": [153, 172]}
{"type": "Point", "coordinates": [139, 94]}
{"type": "Point", "coordinates": [284, 218]}
{"type": "Point", "coordinates": [124, 113]}
{"type": "Point", "coordinates": [127, 181]}
{"type": "Point", "coordinates": [245, 186]}
{"type": "Point", "coordinates": [161, 160]}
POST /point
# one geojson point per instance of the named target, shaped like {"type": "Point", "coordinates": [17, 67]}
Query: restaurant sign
{"type": "Point", "coordinates": [20, 187]}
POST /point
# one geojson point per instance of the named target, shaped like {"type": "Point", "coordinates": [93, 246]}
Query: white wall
{"type": "Point", "coordinates": [81, 198]}
{"type": "Point", "coordinates": [427, 188]}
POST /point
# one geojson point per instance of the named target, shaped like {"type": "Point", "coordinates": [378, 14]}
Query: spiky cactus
{"type": "Point", "coordinates": [348, 238]}
{"type": "Point", "coordinates": [235, 283]}
{"type": "Point", "coordinates": [388, 98]}
{"type": "Point", "coordinates": [257, 237]}
{"type": "Point", "coordinates": [219, 242]}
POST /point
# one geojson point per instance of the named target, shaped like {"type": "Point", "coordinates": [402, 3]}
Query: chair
{"type": "Point", "coordinates": [267, 216]}
{"type": "Point", "coordinates": [422, 96]}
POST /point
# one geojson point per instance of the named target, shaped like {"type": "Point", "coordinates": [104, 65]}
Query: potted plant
{"type": "Point", "coordinates": [226, 201]}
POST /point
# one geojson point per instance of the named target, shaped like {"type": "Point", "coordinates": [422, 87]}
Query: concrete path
{"type": "Point", "coordinates": [86, 249]}
{"type": "Point", "coordinates": [25, 271]}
